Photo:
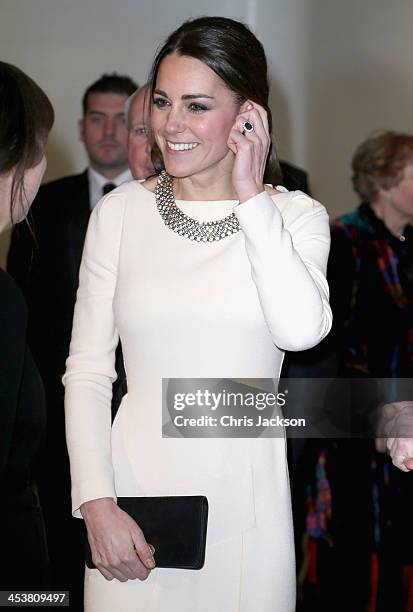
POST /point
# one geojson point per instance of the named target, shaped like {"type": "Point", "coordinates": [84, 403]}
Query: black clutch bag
{"type": "Point", "coordinates": [175, 526]}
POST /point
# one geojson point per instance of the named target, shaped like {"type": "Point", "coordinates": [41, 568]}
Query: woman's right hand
{"type": "Point", "coordinates": [119, 549]}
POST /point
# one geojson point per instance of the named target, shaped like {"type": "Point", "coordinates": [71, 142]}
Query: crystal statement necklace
{"type": "Point", "coordinates": [177, 221]}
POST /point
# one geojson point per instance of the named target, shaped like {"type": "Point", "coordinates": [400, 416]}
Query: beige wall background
{"type": "Point", "coordinates": [338, 69]}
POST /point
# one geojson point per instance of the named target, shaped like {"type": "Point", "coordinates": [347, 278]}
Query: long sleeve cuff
{"type": "Point", "coordinates": [87, 490]}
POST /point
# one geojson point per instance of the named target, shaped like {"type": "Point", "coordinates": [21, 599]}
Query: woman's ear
{"type": "Point", "coordinates": [384, 194]}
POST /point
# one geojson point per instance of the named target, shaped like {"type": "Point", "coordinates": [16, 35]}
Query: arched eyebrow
{"type": "Point", "coordinates": [195, 96]}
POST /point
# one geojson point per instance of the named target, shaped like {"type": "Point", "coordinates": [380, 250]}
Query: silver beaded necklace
{"type": "Point", "coordinates": [177, 221]}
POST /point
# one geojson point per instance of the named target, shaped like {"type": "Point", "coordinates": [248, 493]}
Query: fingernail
{"type": "Point", "coordinates": [152, 548]}
{"type": "Point", "coordinates": [150, 562]}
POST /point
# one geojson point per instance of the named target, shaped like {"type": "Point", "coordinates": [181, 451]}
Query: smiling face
{"type": "Point", "coordinates": [192, 115]}
{"type": "Point", "coordinates": [104, 134]}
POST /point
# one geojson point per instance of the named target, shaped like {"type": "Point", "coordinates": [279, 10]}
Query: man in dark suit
{"type": "Point", "coordinates": [46, 265]}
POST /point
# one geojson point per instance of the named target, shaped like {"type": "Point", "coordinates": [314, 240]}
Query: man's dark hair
{"type": "Point", "coordinates": [110, 83]}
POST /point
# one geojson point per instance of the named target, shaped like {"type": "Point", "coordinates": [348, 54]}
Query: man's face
{"type": "Point", "coordinates": [139, 150]}
{"type": "Point", "coordinates": [103, 131]}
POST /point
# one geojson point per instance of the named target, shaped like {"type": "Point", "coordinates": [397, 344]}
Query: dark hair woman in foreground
{"type": "Point", "coordinates": [26, 117]}
{"type": "Point", "coordinates": [202, 271]}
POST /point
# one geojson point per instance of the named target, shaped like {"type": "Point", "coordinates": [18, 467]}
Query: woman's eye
{"type": "Point", "coordinates": [160, 102]}
{"type": "Point", "coordinates": [139, 131]}
{"type": "Point", "coordinates": [197, 108]}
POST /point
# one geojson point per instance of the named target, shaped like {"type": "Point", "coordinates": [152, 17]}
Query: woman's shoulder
{"type": "Point", "coordinates": [294, 205]}
{"type": "Point", "coordinates": [116, 201]}
{"type": "Point", "coordinates": [132, 189]}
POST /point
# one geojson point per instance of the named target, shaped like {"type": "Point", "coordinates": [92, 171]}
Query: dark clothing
{"type": "Point", "coordinates": [371, 274]}
{"type": "Point", "coordinates": [46, 267]}
{"type": "Point", "coordinates": [22, 427]}
{"type": "Point", "coordinates": [368, 542]}
{"type": "Point", "coordinates": [294, 178]}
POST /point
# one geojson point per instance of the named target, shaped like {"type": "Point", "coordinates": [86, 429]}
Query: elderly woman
{"type": "Point", "coordinates": [371, 263]}
{"type": "Point", "coordinates": [370, 274]}
{"type": "Point", "coordinates": [26, 117]}
{"type": "Point", "coordinates": [202, 271]}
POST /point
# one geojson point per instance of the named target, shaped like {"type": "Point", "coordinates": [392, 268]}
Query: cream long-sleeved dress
{"type": "Point", "coordinates": [224, 309]}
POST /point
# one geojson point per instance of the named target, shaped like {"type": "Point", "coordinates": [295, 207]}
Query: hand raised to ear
{"type": "Point", "coordinates": [250, 142]}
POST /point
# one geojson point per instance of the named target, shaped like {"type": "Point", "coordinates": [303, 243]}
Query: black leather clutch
{"type": "Point", "coordinates": [175, 526]}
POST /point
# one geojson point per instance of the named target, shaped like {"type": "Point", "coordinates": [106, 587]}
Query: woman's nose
{"type": "Point", "coordinates": [175, 122]}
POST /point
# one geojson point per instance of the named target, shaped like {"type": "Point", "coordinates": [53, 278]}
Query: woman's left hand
{"type": "Point", "coordinates": [250, 150]}
{"type": "Point", "coordinates": [396, 425]}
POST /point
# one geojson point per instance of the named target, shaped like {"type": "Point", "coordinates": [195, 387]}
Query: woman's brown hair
{"type": "Point", "coordinates": [379, 162]}
{"type": "Point", "coordinates": [26, 117]}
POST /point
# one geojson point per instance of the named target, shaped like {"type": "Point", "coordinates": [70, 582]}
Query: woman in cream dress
{"type": "Point", "coordinates": [184, 308]}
